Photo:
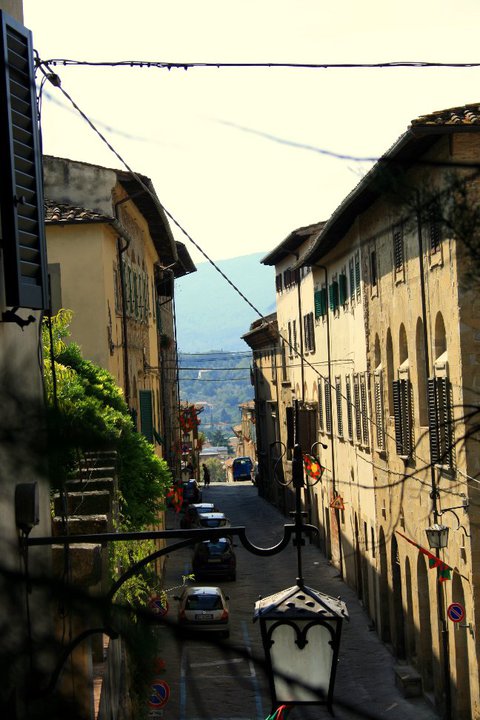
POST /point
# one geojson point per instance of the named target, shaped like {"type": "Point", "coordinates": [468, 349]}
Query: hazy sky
{"type": "Point", "coordinates": [236, 155]}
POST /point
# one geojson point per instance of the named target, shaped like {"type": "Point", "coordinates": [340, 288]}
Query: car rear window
{"type": "Point", "coordinates": [217, 548]}
{"type": "Point", "coordinates": [203, 602]}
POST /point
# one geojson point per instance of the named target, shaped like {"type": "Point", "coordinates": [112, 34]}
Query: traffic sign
{"type": "Point", "coordinates": [159, 694]}
{"type": "Point", "coordinates": [456, 612]}
{"type": "Point", "coordinates": [158, 606]}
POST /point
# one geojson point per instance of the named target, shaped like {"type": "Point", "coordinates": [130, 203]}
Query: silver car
{"type": "Point", "coordinates": [205, 609]}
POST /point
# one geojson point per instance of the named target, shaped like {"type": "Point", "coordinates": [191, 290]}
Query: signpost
{"type": "Point", "coordinates": [158, 698]}
{"type": "Point", "coordinates": [158, 606]}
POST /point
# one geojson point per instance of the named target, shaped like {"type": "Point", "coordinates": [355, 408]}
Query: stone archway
{"type": "Point", "coordinates": [461, 681]}
{"type": "Point", "coordinates": [424, 641]}
{"type": "Point", "coordinates": [384, 611]}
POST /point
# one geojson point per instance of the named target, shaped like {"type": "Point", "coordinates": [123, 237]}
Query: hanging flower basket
{"type": "Point", "coordinates": [189, 419]}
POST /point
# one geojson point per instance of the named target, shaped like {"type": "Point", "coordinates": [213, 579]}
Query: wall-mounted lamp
{"type": "Point", "coordinates": [437, 536]}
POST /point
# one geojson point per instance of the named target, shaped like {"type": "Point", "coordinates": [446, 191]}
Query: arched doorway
{"type": "Point", "coordinates": [358, 562]}
{"type": "Point", "coordinates": [461, 687]}
{"type": "Point", "coordinates": [399, 618]}
{"type": "Point", "coordinates": [385, 630]}
{"type": "Point", "coordinates": [424, 644]}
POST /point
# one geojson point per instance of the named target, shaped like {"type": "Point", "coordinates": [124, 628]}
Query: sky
{"type": "Point", "coordinates": [241, 157]}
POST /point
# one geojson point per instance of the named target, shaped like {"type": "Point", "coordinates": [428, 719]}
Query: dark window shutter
{"type": "Point", "coordinates": [363, 397]}
{"type": "Point", "coordinates": [21, 196]}
{"type": "Point", "coordinates": [342, 288]}
{"type": "Point", "coordinates": [338, 397]}
{"type": "Point", "coordinates": [320, 407]}
{"type": "Point", "coordinates": [333, 295]}
{"type": "Point", "coordinates": [318, 303]}
{"type": "Point", "coordinates": [290, 428]}
{"type": "Point", "coordinates": [328, 406]}
{"type": "Point", "coordinates": [358, 414]}
{"type": "Point", "coordinates": [433, 421]}
{"type": "Point", "coordinates": [146, 414]}
{"type": "Point", "coordinates": [379, 422]}
{"type": "Point", "coordinates": [398, 247]}
{"type": "Point", "coordinates": [398, 417]}
{"type": "Point", "coordinates": [357, 275]}
{"type": "Point", "coordinates": [434, 228]}
{"type": "Point", "coordinates": [278, 283]}
{"type": "Point", "coordinates": [352, 279]}
{"type": "Point", "coordinates": [348, 393]}
{"type": "Point", "coordinates": [402, 407]}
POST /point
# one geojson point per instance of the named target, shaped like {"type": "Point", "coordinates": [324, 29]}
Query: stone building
{"type": "Point", "coordinates": [390, 374]}
{"type": "Point", "coordinates": [113, 262]}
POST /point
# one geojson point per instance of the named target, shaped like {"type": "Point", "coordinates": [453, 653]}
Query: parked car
{"type": "Point", "coordinates": [191, 492]}
{"type": "Point", "coordinates": [242, 468]}
{"type": "Point", "coordinates": [192, 511]}
{"type": "Point", "coordinates": [214, 558]}
{"type": "Point", "coordinates": [212, 520]}
{"type": "Point", "coordinates": [203, 609]}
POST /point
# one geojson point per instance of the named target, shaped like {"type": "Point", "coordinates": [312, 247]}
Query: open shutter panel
{"type": "Point", "coordinates": [342, 288]}
{"type": "Point", "coordinates": [378, 392]}
{"type": "Point", "coordinates": [328, 406]}
{"type": "Point", "coordinates": [348, 392]}
{"type": "Point", "coordinates": [146, 418]}
{"type": "Point", "coordinates": [363, 396]}
{"type": "Point", "coordinates": [398, 418]}
{"type": "Point", "coordinates": [320, 406]}
{"type": "Point", "coordinates": [21, 197]}
{"type": "Point", "coordinates": [433, 421]}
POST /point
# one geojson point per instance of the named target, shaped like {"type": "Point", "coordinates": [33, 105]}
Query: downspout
{"type": "Point", "coordinates": [332, 454]}
{"type": "Point", "coordinates": [123, 234]}
{"type": "Point", "coordinates": [434, 495]}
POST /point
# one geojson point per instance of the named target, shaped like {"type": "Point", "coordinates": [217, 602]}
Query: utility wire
{"type": "Point", "coordinates": [167, 65]}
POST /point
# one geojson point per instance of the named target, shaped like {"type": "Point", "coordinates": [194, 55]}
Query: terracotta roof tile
{"type": "Point", "coordinates": [58, 213]}
{"type": "Point", "coordinates": [464, 115]}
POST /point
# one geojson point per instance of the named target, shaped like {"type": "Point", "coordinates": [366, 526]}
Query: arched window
{"type": "Point", "coordinates": [402, 401]}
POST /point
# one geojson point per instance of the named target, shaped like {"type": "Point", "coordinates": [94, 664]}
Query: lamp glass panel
{"type": "Point", "coordinates": [301, 675]}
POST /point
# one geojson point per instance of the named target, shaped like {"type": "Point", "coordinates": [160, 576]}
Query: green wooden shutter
{"type": "Point", "coordinates": [21, 194]}
{"type": "Point", "coordinates": [342, 288]}
{"type": "Point", "coordinates": [146, 414]}
{"type": "Point", "coordinates": [318, 303]}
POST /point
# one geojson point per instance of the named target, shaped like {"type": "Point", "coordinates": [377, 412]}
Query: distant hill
{"type": "Point", "coordinates": [211, 318]}
{"type": "Point", "coordinates": [210, 314]}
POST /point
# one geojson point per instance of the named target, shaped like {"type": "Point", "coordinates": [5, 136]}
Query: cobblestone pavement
{"type": "Point", "coordinates": [365, 684]}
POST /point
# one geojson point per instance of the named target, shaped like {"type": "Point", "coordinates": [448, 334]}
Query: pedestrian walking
{"type": "Point", "coordinates": [206, 476]}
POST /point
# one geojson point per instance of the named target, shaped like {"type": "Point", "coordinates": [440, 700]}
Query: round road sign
{"type": "Point", "coordinates": [456, 612]}
{"type": "Point", "coordinates": [159, 694]}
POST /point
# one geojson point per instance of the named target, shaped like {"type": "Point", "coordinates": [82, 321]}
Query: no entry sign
{"type": "Point", "coordinates": [456, 612]}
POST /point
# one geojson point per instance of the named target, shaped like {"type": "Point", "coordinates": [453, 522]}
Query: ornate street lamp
{"type": "Point", "coordinates": [301, 630]}
{"type": "Point", "coordinates": [437, 536]}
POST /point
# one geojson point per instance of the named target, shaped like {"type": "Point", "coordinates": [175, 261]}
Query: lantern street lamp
{"type": "Point", "coordinates": [437, 536]}
{"type": "Point", "coordinates": [301, 630]}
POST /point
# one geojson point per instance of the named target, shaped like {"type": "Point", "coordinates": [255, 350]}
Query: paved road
{"type": "Point", "coordinates": [223, 680]}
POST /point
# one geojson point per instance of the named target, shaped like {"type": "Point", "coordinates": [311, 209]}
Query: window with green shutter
{"type": "Point", "coordinates": [146, 414]}
{"type": "Point", "coordinates": [342, 288]}
{"type": "Point", "coordinates": [333, 295]}
{"type": "Point", "coordinates": [320, 299]}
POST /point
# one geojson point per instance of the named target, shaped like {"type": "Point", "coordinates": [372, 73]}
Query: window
{"type": "Point", "coordinates": [379, 414]}
{"type": "Point", "coordinates": [351, 273]}
{"type": "Point", "coordinates": [320, 299]}
{"type": "Point", "coordinates": [146, 414]}
{"type": "Point", "coordinates": [402, 409]}
{"type": "Point", "coordinates": [278, 283]}
{"type": "Point", "coordinates": [398, 249]}
{"type": "Point", "coordinates": [364, 406]}
{"type": "Point", "coordinates": [309, 332]}
{"type": "Point", "coordinates": [273, 356]}
{"type": "Point", "coordinates": [357, 275]}
{"type": "Point", "coordinates": [440, 418]}
{"type": "Point", "coordinates": [321, 423]}
{"type": "Point", "coordinates": [333, 295]}
{"type": "Point", "coordinates": [328, 406]}
{"type": "Point", "coordinates": [294, 335]}
{"type": "Point", "coordinates": [290, 340]}
{"type": "Point", "coordinates": [342, 288]}
{"type": "Point", "coordinates": [338, 397]}
{"type": "Point", "coordinates": [356, 405]}
{"type": "Point", "coordinates": [373, 269]}
{"type": "Point", "coordinates": [284, 361]}
{"type": "Point", "coordinates": [21, 201]}
{"type": "Point", "coordinates": [348, 393]}
{"type": "Point", "coordinates": [434, 237]}
{"type": "Point", "coordinates": [290, 431]}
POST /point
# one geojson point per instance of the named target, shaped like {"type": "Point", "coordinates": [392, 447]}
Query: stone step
{"type": "Point", "coordinates": [84, 503]}
{"type": "Point", "coordinates": [84, 563]}
{"type": "Point", "coordinates": [87, 485]}
{"type": "Point", "coordinates": [95, 471]}
{"type": "Point", "coordinates": [81, 525]}
{"type": "Point", "coordinates": [408, 681]}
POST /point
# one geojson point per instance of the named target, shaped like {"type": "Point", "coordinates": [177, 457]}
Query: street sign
{"type": "Point", "coordinates": [337, 503]}
{"type": "Point", "coordinates": [157, 607]}
{"type": "Point", "coordinates": [159, 694]}
{"type": "Point", "coordinates": [456, 612]}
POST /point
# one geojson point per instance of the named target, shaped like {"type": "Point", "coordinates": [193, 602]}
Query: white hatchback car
{"type": "Point", "coordinates": [203, 609]}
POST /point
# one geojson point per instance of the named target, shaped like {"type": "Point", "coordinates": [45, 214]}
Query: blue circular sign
{"type": "Point", "coordinates": [159, 694]}
{"type": "Point", "coordinates": [456, 612]}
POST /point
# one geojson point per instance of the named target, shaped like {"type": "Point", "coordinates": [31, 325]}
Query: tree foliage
{"type": "Point", "coordinates": [87, 412]}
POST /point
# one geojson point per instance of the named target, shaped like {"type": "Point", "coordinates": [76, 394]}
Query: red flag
{"type": "Point", "coordinates": [444, 570]}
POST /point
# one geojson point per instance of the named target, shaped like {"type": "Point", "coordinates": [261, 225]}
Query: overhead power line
{"type": "Point", "coordinates": [167, 65]}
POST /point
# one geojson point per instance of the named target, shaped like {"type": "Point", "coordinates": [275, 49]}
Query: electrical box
{"type": "Point", "coordinates": [26, 506]}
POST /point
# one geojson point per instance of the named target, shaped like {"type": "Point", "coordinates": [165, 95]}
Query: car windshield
{"type": "Point", "coordinates": [217, 548]}
{"type": "Point", "coordinates": [204, 602]}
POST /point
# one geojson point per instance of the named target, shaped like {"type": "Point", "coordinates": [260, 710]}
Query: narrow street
{"type": "Point", "coordinates": [220, 680]}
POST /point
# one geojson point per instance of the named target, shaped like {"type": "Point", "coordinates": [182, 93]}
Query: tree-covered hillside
{"type": "Point", "coordinates": [219, 380]}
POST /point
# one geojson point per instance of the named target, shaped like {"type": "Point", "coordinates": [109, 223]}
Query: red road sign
{"type": "Point", "coordinates": [159, 694]}
{"type": "Point", "coordinates": [156, 606]}
{"type": "Point", "coordinates": [456, 612]}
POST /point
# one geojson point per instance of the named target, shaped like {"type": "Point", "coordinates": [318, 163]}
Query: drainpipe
{"type": "Point", "coordinates": [332, 455]}
{"type": "Point", "coordinates": [434, 493]}
{"type": "Point", "coordinates": [123, 235]}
